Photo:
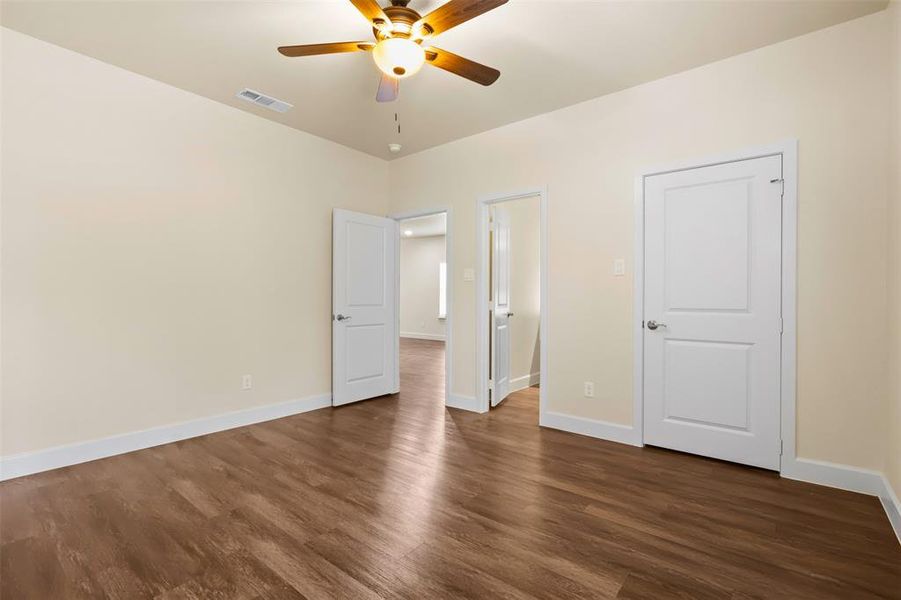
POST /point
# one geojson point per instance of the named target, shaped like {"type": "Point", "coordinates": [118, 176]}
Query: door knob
{"type": "Point", "coordinates": [341, 318]}
{"type": "Point", "coordinates": [652, 325]}
{"type": "Point", "coordinates": [509, 314]}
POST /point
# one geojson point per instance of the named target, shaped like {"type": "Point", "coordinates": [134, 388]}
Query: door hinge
{"type": "Point", "coordinates": [642, 324]}
{"type": "Point", "coordinates": [781, 325]}
{"type": "Point", "coordinates": [781, 183]}
{"type": "Point", "coordinates": [781, 447]}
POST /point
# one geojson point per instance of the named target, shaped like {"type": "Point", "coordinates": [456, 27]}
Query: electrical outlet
{"type": "Point", "coordinates": [247, 382]}
{"type": "Point", "coordinates": [619, 267]}
{"type": "Point", "coordinates": [589, 389]}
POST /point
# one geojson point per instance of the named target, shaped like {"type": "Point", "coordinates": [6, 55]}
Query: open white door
{"type": "Point", "coordinates": [364, 332]}
{"type": "Point", "coordinates": [713, 268]}
{"type": "Point", "coordinates": [500, 294]}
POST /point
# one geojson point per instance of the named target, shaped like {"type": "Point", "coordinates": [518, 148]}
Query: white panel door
{"type": "Point", "coordinates": [713, 271]}
{"type": "Point", "coordinates": [364, 262]}
{"type": "Point", "coordinates": [500, 282]}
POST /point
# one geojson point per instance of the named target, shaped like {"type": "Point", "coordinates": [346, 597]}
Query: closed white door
{"type": "Point", "coordinates": [364, 262]}
{"type": "Point", "coordinates": [712, 310]}
{"type": "Point", "coordinates": [500, 294]}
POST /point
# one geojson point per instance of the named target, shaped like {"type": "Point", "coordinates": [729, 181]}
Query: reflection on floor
{"type": "Point", "coordinates": [422, 368]}
{"type": "Point", "coordinates": [400, 497]}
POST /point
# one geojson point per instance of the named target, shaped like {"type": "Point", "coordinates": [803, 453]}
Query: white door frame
{"type": "Point", "coordinates": [449, 317]}
{"type": "Point", "coordinates": [482, 352]}
{"type": "Point", "coordinates": [788, 149]}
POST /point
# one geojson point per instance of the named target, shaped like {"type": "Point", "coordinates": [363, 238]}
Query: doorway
{"type": "Point", "coordinates": [511, 292]}
{"type": "Point", "coordinates": [424, 292]}
{"type": "Point", "coordinates": [715, 281]}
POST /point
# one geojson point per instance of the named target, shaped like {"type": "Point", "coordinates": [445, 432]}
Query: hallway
{"type": "Point", "coordinates": [422, 369]}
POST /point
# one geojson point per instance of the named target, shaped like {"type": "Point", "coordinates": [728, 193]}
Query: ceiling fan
{"type": "Point", "coordinates": [400, 33]}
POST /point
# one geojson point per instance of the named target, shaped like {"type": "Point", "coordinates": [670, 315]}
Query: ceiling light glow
{"type": "Point", "coordinates": [408, 232]}
{"type": "Point", "coordinates": [398, 57]}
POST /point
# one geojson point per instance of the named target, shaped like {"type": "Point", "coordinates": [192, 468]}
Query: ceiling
{"type": "Point", "coordinates": [424, 226]}
{"type": "Point", "coordinates": [551, 53]}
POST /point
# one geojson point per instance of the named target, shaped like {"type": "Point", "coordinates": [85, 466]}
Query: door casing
{"type": "Point", "coordinates": [788, 150]}
{"type": "Point", "coordinates": [449, 318]}
{"type": "Point", "coordinates": [482, 351]}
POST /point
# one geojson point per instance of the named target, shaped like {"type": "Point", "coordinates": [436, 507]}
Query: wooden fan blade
{"type": "Point", "coordinates": [371, 10]}
{"type": "Point", "coordinates": [463, 67]}
{"type": "Point", "coordinates": [333, 48]}
{"type": "Point", "coordinates": [388, 88]}
{"type": "Point", "coordinates": [455, 12]}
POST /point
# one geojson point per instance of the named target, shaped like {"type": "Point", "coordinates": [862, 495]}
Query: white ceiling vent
{"type": "Point", "coordinates": [264, 100]}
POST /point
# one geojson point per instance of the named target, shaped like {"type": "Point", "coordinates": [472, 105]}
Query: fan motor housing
{"type": "Point", "coordinates": [398, 14]}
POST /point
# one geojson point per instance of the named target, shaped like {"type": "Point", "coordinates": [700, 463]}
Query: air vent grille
{"type": "Point", "coordinates": [264, 100]}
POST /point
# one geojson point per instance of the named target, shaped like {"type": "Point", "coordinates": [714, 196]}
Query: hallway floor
{"type": "Point", "coordinates": [399, 497]}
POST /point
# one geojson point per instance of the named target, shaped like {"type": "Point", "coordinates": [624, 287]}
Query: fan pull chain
{"type": "Point", "coordinates": [395, 147]}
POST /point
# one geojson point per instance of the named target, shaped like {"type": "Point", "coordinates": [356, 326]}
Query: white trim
{"type": "Point", "coordinates": [638, 314]}
{"type": "Point", "coordinates": [852, 479]}
{"type": "Point", "coordinates": [526, 381]}
{"type": "Point", "coordinates": [788, 150]}
{"type": "Point", "coordinates": [463, 403]}
{"type": "Point", "coordinates": [789, 299]}
{"type": "Point", "coordinates": [892, 507]}
{"type": "Point", "coordinates": [833, 475]}
{"type": "Point", "coordinates": [27, 463]}
{"type": "Point", "coordinates": [436, 337]}
{"type": "Point", "coordinates": [449, 317]}
{"type": "Point", "coordinates": [604, 430]}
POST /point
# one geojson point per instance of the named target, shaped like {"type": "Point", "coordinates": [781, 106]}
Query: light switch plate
{"type": "Point", "coordinates": [469, 274]}
{"type": "Point", "coordinates": [619, 267]}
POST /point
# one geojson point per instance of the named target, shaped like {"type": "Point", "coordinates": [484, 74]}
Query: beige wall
{"type": "Point", "coordinates": [156, 246]}
{"type": "Point", "coordinates": [893, 466]}
{"type": "Point", "coordinates": [830, 89]}
{"type": "Point", "coordinates": [525, 288]}
{"type": "Point", "coordinates": [419, 260]}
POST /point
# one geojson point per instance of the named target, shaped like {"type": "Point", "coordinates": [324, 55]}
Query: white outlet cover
{"type": "Point", "coordinates": [469, 274]}
{"type": "Point", "coordinates": [619, 267]}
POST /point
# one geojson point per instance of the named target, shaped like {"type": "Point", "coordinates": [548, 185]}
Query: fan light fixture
{"type": "Point", "coordinates": [399, 33]}
{"type": "Point", "coordinates": [398, 57]}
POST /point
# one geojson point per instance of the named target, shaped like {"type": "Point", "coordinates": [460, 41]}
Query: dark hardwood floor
{"type": "Point", "coordinates": [399, 497]}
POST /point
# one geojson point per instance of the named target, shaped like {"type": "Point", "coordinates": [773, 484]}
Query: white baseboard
{"type": "Point", "coordinates": [422, 336]}
{"type": "Point", "coordinates": [614, 432]}
{"type": "Point", "coordinates": [462, 402]}
{"type": "Point", "coordinates": [521, 383]}
{"type": "Point", "coordinates": [852, 479]}
{"type": "Point", "coordinates": [834, 475]}
{"type": "Point", "coordinates": [892, 507]}
{"type": "Point", "coordinates": [28, 463]}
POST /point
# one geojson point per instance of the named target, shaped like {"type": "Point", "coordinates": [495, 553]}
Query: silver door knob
{"type": "Point", "coordinates": [652, 325]}
{"type": "Point", "coordinates": [340, 318]}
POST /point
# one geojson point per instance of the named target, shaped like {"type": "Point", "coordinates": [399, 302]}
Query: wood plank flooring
{"type": "Point", "coordinates": [399, 497]}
